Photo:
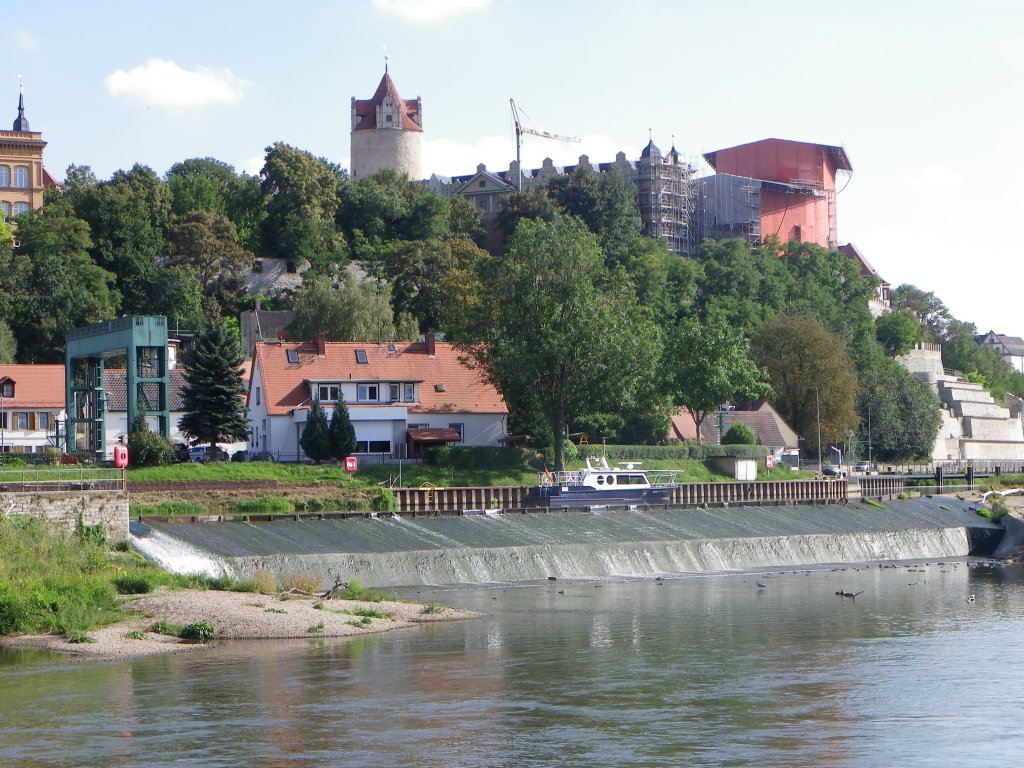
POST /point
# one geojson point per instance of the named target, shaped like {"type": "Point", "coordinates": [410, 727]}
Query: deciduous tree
{"type": "Point", "coordinates": [805, 361]}
{"type": "Point", "coordinates": [556, 328]}
{"type": "Point", "coordinates": [706, 363]}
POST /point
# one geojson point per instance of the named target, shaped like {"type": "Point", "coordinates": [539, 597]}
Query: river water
{"type": "Point", "coordinates": [699, 671]}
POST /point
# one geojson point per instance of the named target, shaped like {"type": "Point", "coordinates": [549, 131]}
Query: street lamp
{"type": "Point", "coordinates": [817, 417]}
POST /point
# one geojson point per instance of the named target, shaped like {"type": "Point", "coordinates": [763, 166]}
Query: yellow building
{"type": "Point", "coordinates": [22, 176]}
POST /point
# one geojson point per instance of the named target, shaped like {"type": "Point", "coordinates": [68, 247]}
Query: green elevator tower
{"type": "Point", "coordinates": [142, 342]}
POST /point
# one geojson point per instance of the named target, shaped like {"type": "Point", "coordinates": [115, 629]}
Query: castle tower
{"type": "Point", "coordinates": [386, 132]}
{"type": "Point", "coordinates": [22, 176]}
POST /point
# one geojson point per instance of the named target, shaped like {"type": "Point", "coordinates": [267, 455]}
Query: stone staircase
{"type": "Point", "coordinates": [973, 425]}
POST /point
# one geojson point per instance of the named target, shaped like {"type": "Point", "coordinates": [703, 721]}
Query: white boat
{"type": "Point", "coordinates": [599, 484]}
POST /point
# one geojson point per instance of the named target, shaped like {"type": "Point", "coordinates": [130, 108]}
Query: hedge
{"type": "Point", "coordinates": [683, 451]}
{"type": "Point", "coordinates": [479, 457]}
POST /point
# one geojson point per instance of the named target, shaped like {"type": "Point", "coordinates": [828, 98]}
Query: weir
{"type": "Point", "coordinates": [500, 548]}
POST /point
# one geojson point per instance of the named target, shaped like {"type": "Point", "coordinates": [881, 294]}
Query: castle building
{"type": "Point", "coordinates": [664, 183]}
{"type": "Point", "coordinates": [22, 175]}
{"type": "Point", "coordinates": [387, 132]}
{"type": "Point", "coordinates": [772, 187]}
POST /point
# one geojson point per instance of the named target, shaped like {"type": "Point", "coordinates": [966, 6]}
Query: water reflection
{"type": "Point", "coordinates": [711, 671]}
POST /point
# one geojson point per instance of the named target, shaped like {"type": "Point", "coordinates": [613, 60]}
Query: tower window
{"type": "Point", "coordinates": [5, 176]}
{"type": "Point", "coordinates": [387, 118]}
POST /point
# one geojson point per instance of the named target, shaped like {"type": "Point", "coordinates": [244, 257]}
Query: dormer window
{"type": "Point", "coordinates": [7, 388]}
{"type": "Point", "coordinates": [328, 393]}
{"type": "Point", "coordinates": [368, 393]}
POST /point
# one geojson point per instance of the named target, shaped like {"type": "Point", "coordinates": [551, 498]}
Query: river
{"type": "Point", "coordinates": [700, 671]}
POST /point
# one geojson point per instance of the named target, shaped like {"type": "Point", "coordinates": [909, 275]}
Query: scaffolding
{"type": "Point", "coordinates": [667, 199]}
{"type": "Point", "coordinates": [730, 207]}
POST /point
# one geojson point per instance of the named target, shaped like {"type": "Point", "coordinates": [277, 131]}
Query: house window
{"type": "Point", "coordinates": [458, 428]}
{"type": "Point", "coordinates": [367, 393]}
{"type": "Point", "coordinates": [3, 420]}
{"type": "Point", "coordinates": [373, 446]}
{"type": "Point", "coordinates": [23, 420]}
{"type": "Point", "coordinates": [328, 393]}
{"type": "Point", "coordinates": [5, 176]}
{"type": "Point", "coordinates": [44, 421]}
{"type": "Point", "coordinates": [8, 389]}
{"type": "Point", "coordinates": [5, 209]}
{"type": "Point", "coordinates": [21, 176]}
{"type": "Point", "coordinates": [394, 393]}
{"type": "Point", "coordinates": [20, 208]}
{"type": "Point", "coordinates": [410, 393]}
{"type": "Point", "coordinates": [257, 395]}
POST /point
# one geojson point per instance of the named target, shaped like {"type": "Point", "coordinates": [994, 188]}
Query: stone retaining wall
{"type": "Point", "coordinates": [69, 510]}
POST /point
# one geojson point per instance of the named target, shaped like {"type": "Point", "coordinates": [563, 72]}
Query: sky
{"type": "Point", "coordinates": [925, 97]}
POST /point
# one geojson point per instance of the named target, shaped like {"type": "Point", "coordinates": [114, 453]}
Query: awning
{"type": "Point", "coordinates": [435, 435]}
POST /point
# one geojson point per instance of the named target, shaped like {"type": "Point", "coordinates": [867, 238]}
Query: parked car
{"type": "Point", "coordinates": [204, 453]}
{"type": "Point", "coordinates": [865, 467]}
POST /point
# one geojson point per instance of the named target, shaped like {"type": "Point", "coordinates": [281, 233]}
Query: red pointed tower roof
{"type": "Point", "coordinates": [366, 109]}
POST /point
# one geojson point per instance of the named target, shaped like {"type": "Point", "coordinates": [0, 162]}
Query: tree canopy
{"type": "Point", "coordinates": [557, 330]}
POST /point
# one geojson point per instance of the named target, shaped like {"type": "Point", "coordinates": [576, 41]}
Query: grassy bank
{"type": "Point", "coordinates": [55, 582]}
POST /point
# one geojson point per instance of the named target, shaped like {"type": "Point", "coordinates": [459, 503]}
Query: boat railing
{"type": "Point", "coordinates": [568, 477]}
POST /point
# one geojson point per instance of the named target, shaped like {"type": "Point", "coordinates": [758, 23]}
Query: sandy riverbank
{"type": "Point", "coordinates": [234, 616]}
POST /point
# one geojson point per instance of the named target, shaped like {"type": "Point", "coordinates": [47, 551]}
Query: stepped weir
{"type": "Point", "coordinates": [507, 547]}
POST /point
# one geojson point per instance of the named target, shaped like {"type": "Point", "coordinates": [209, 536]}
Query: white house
{"type": "Point", "coordinates": [1010, 347]}
{"type": "Point", "coordinates": [401, 397]}
{"type": "Point", "coordinates": [31, 404]}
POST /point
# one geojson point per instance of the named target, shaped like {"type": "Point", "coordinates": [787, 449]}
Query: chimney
{"type": "Point", "coordinates": [257, 306]}
{"type": "Point", "coordinates": [321, 344]}
{"type": "Point", "coordinates": [431, 346]}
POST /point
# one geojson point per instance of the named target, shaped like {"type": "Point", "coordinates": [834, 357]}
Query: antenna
{"type": "Point", "coordinates": [520, 130]}
{"type": "Point", "coordinates": [386, 58]}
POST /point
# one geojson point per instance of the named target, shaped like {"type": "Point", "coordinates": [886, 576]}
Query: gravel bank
{"type": "Point", "coordinates": [235, 616]}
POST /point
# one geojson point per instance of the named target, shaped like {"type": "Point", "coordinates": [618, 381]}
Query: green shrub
{"type": "Point", "coordinates": [430, 608]}
{"type": "Point", "coordinates": [79, 637]}
{"type": "Point", "coordinates": [739, 434]}
{"type": "Point", "coordinates": [265, 505]}
{"type": "Point", "coordinates": [162, 627]}
{"type": "Point", "coordinates": [356, 591]}
{"type": "Point", "coordinates": [136, 584]}
{"type": "Point", "coordinates": [680, 452]}
{"type": "Point", "coordinates": [169, 509]}
{"type": "Point", "coordinates": [370, 613]}
{"type": "Point", "coordinates": [135, 634]}
{"type": "Point", "coordinates": [198, 632]}
{"type": "Point", "coordinates": [148, 449]}
{"type": "Point", "coordinates": [479, 457]}
{"type": "Point", "coordinates": [998, 511]}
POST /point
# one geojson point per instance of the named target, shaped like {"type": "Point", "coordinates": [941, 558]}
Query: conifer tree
{"type": "Point", "coordinates": [212, 396]}
{"type": "Point", "coordinates": [342, 433]}
{"type": "Point", "coordinates": [316, 438]}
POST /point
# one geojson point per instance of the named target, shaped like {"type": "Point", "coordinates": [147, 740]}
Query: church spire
{"type": "Point", "coordinates": [21, 124]}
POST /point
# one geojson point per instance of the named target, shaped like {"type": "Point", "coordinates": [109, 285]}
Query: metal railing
{"type": "Point", "coordinates": [59, 479]}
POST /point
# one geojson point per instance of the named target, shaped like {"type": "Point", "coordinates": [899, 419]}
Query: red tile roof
{"type": "Point", "coordinates": [762, 422]}
{"type": "Point", "coordinates": [446, 384]}
{"type": "Point", "coordinates": [366, 109]}
{"type": "Point", "coordinates": [35, 386]}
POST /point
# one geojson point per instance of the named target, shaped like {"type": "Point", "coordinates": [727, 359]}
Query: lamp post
{"type": "Point", "coordinates": [817, 417]}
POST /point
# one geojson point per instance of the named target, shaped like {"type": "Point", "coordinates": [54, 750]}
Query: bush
{"type": "Point", "coordinates": [478, 457]}
{"type": "Point", "coordinates": [168, 509]}
{"type": "Point", "coordinates": [198, 632]}
{"type": "Point", "coordinates": [681, 452]}
{"type": "Point", "coordinates": [739, 434]}
{"type": "Point", "coordinates": [138, 584]}
{"type": "Point", "coordinates": [266, 505]}
{"type": "Point", "coordinates": [148, 449]}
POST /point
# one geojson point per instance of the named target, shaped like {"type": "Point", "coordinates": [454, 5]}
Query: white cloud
{"type": "Point", "coordinates": [26, 40]}
{"type": "Point", "coordinates": [165, 85]}
{"type": "Point", "coordinates": [254, 164]}
{"type": "Point", "coordinates": [429, 10]}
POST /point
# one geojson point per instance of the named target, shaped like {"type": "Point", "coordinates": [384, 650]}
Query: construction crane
{"type": "Point", "coordinates": [520, 130]}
